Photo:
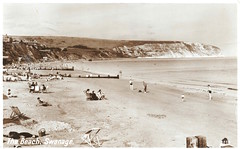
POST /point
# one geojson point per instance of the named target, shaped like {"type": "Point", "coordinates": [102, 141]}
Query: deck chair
{"type": "Point", "coordinates": [16, 114]}
{"type": "Point", "coordinates": [91, 137]}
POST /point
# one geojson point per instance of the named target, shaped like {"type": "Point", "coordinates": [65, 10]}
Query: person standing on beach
{"type": "Point", "coordinates": [131, 84]}
{"type": "Point", "coordinates": [120, 72]}
{"type": "Point", "coordinates": [145, 87]}
{"type": "Point", "coordinates": [209, 92]}
{"type": "Point", "coordinates": [182, 96]}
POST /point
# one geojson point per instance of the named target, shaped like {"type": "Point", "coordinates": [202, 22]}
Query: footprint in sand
{"type": "Point", "coordinates": [158, 116]}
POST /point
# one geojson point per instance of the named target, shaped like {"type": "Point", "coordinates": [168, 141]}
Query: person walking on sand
{"type": "Point", "coordinates": [144, 87]}
{"type": "Point", "coordinates": [209, 92]}
{"type": "Point", "coordinates": [131, 84]}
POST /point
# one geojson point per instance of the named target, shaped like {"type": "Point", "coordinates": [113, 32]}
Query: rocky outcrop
{"type": "Point", "coordinates": [30, 53]}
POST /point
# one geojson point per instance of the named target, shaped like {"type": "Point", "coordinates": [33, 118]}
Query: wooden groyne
{"type": "Point", "coordinates": [48, 75]}
{"type": "Point", "coordinates": [99, 76]}
{"type": "Point", "coordinates": [82, 76]}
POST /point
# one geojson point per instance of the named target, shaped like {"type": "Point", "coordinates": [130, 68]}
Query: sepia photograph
{"type": "Point", "coordinates": [110, 75]}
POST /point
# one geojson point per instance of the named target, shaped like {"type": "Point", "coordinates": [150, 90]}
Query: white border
{"type": "Point", "coordinates": [122, 1]}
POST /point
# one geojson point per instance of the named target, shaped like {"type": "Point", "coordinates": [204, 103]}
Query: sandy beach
{"type": "Point", "coordinates": [129, 118]}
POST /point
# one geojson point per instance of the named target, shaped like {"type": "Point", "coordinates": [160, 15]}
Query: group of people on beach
{"type": "Point", "coordinates": [144, 86]}
{"type": "Point", "coordinates": [209, 90]}
{"type": "Point", "coordinates": [56, 76]}
{"type": "Point", "coordinates": [34, 87]}
{"type": "Point", "coordinates": [9, 94]}
{"type": "Point", "coordinates": [93, 96]}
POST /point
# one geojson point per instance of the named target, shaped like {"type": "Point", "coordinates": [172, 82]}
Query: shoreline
{"type": "Point", "coordinates": [134, 59]}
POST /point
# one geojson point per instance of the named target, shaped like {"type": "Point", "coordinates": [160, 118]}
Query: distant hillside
{"type": "Point", "coordinates": [34, 48]}
{"type": "Point", "coordinates": [64, 42]}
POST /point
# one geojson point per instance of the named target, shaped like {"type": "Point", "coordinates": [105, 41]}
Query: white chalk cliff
{"type": "Point", "coordinates": [170, 50]}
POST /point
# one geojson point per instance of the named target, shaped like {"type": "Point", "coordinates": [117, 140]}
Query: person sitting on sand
{"type": "Point", "coordinates": [9, 94]}
{"type": "Point", "coordinates": [59, 77]}
{"type": "Point", "coordinates": [8, 79]}
{"type": "Point", "coordinates": [100, 95]}
{"type": "Point", "coordinates": [44, 88]}
{"type": "Point", "coordinates": [88, 94]}
{"type": "Point", "coordinates": [32, 87]}
{"type": "Point", "coordinates": [94, 96]}
{"type": "Point", "coordinates": [42, 103]}
{"type": "Point", "coordinates": [39, 100]}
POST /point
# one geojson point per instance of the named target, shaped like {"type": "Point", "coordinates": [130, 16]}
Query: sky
{"type": "Point", "coordinates": [214, 24]}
